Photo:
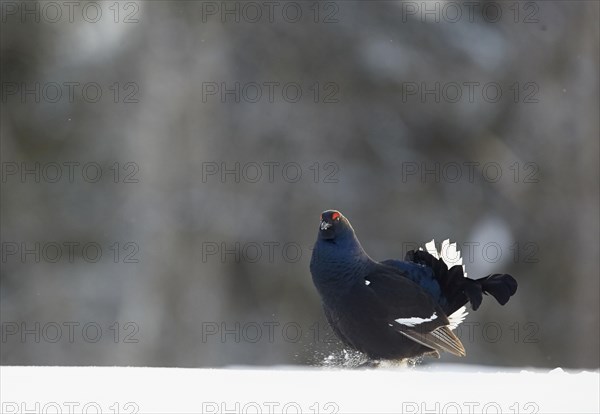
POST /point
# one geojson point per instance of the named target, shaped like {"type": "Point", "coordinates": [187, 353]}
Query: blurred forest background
{"type": "Point", "coordinates": [130, 236]}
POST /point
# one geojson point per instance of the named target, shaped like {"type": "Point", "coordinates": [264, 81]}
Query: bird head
{"type": "Point", "coordinates": [334, 226]}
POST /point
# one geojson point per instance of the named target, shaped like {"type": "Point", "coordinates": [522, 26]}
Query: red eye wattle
{"type": "Point", "coordinates": [335, 216]}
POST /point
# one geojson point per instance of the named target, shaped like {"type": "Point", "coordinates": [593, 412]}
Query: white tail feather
{"type": "Point", "coordinates": [448, 253]}
{"type": "Point", "coordinates": [451, 256]}
{"type": "Point", "coordinates": [431, 249]}
{"type": "Point", "coordinates": [457, 317]}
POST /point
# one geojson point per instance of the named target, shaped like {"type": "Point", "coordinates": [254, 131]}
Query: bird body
{"type": "Point", "coordinates": [394, 309]}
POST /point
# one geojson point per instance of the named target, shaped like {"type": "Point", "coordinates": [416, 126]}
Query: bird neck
{"type": "Point", "coordinates": [336, 266]}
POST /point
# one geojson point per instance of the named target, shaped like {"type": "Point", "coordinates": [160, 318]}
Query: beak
{"type": "Point", "coordinates": [325, 225]}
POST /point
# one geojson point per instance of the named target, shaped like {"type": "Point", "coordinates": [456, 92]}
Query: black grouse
{"type": "Point", "coordinates": [395, 309]}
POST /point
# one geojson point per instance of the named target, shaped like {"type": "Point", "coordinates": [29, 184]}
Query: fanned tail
{"type": "Point", "coordinates": [455, 286]}
{"type": "Point", "coordinates": [500, 286]}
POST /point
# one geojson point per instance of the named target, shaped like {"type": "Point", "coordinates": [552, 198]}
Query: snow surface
{"type": "Point", "coordinates": [440, 388]}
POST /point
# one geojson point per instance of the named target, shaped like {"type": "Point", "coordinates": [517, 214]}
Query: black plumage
{"type": "Point", "coordinates": [394, 309]}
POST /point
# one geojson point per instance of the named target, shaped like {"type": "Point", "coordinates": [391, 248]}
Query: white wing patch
{"type": "Point", "coordinates": [448, 253]}
{"type": "Point", "coordinates": [457, 317]}
{"type": "Point", "coordinates": [367, 282]}
{"type": "Point", "coordinates": [410, 322]}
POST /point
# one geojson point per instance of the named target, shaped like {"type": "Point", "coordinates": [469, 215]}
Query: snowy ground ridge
{"type": "Point", "coordinates": [417, 389]}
